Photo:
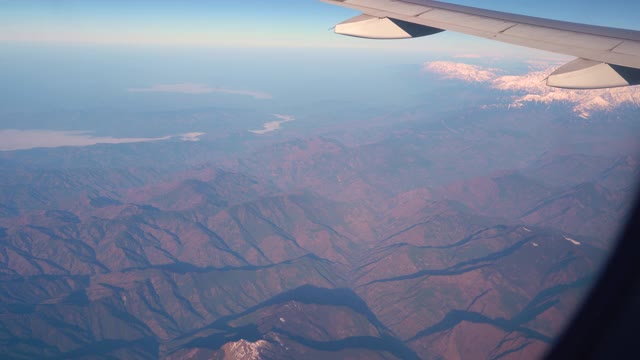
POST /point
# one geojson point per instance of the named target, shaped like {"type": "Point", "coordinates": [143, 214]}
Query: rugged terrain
{"type": "Point", "coordinates": [473, 236]}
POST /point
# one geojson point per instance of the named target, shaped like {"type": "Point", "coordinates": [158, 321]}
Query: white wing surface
{"type": "Point", "coordinates": [606, 57]}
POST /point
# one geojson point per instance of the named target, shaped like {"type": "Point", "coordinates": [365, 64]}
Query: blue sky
{"type": "Point", "coordinates": [247, 23]}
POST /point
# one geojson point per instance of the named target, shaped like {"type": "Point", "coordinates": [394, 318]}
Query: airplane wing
{"type": "Point", "coordinates": [606, 57]}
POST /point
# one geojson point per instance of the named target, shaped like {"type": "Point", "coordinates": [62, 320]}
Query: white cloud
{"type": "Point", "coordinates": [30, 139]}
{"type": "Point", "coordinates": [531, 87]}
{"type": "Point", "coordinates": [273, 125]}
{"type": "Point", "coordinates": [190, 88]}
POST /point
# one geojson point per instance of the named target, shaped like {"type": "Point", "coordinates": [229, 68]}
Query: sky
{"type": "Point", "coordinates": [246, 23]}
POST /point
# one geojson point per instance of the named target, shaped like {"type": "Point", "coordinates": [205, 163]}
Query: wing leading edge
{"type": "Point", "coordinates": [606, 57]}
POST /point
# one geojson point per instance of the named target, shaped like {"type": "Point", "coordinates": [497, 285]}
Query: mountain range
{"type": "Point", "coordinates": [472, 236]}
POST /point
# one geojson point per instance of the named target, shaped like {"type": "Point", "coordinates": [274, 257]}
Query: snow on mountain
{"type": "Point", "coordinates": [531, 88]}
